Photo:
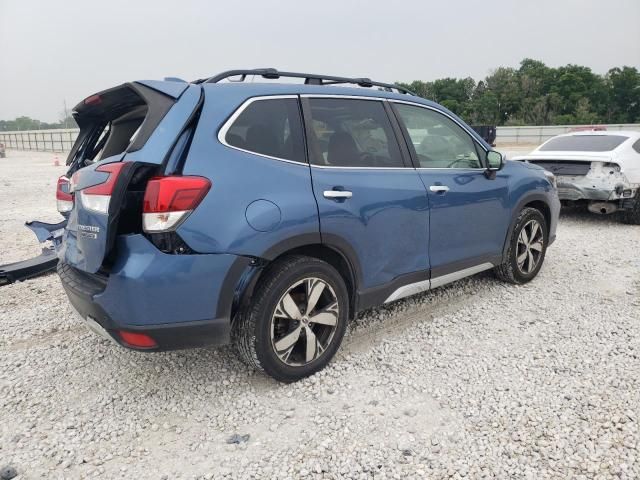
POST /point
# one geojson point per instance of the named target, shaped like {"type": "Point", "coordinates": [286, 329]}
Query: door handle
{"type": "Point", "coordinates": [439, 188]}
{"type": "Point", "coordinates": [337, 194]}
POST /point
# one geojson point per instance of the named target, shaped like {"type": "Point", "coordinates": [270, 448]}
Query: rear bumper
{"type": "Point", "coordinates": [181, 301]}
{"type": "Point", "coordinates": [587, 188]}
{"type": "Point", "coordinates": [567, 191]}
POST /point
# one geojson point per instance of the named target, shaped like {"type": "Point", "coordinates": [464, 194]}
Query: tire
{"type": "Point", "coordinates": [632, 217]}
{"type": "Point", "coordinates": [519, 273]}
{"type": "Point", "coordinates": [285, 342]}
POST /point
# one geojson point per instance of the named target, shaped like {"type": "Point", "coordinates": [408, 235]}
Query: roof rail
{"type": "Point", "coordinates": [309, 79]}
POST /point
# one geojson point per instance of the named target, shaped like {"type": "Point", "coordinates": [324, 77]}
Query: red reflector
{"type": "Point", "coordinates": [106, 188]}
{"type": "Point", "coordinates": [137, 339]}
{"type": "Point", "coordinates": [62, 190]}
{"type": "Point", "coordinates": [93, 100]}
{"type": "Point", "coordinates": [174, 194]}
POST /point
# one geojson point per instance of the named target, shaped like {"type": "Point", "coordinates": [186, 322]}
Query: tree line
{"type": "Point", "coordinates": [535, 94]}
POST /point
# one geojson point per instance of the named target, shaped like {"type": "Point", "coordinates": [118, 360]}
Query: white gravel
{"type": "Point", "coordinates": [475, 380]}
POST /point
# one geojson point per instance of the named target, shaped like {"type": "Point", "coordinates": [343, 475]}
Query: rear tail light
{"type": "Point", "coordinates": [169, 200]}
{"type": "Point", "coordinates": [140, 340]}
{"type": "Point", "coordinates": [93, 100]}
{"type": "Point", "coordinates": [98, 197]}
{"type": "Point", "coordinates": [64, 199]}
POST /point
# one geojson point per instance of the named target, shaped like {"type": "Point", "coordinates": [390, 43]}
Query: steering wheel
{"type": "Point", "coordinates": [458, 160]}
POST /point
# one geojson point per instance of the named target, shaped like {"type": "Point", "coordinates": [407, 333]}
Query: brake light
{"type": "Point", "coordinates": [93, 100]}
{"type": "Point", "coordinates": [64, 199]}
{"type": "Point", "coordinates": [139, 340]}
{"type": "Point", "coordinates": [169, 200]}
{"type": "Point", "coordinates": [98, 197]}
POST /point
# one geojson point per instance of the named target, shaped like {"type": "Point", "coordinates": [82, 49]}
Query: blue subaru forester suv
{"type": "Point", "coordinates": [269, 214]}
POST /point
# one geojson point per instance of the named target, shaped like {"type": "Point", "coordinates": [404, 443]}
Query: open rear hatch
{"type": "Point", "coordinates": [108, 169]}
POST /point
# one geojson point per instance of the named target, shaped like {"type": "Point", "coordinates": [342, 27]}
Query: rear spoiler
{"type": "Point", "coordinates": [560, 157]}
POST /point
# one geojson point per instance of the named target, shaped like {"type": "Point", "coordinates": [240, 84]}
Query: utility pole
{"type": "Point", "coordinates": [66, 113]}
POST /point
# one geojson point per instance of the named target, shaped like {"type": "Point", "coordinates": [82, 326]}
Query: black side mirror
{"type": "Point", "coordinates": [495, 161]}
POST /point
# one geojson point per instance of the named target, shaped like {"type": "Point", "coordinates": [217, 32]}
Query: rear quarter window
{"type": "Point", "coordinates": [270, 127]}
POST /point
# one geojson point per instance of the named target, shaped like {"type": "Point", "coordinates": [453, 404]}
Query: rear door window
{"type": "Point", "coordinates": [351, 133]}
{"type": "Point", "coordinates": [270, 127]}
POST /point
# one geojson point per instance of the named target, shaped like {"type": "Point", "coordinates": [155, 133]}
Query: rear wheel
{"type": "Point", "coordinates": [296, 320]}
{"type": "Point", "coordinates": [527, 248]}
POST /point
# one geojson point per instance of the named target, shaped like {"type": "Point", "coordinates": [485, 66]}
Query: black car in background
{"type": "Point", "coordinates": [487, 132]}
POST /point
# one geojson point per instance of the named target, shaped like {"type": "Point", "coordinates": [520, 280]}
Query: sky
{"type": "Point", "coordinates": [57, 51]}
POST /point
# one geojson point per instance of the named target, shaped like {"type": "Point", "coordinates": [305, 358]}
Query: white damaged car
{"type": "Point", "coordinates": [600, 169]}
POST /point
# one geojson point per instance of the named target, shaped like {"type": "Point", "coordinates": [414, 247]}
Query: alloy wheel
{"type": "Point", "coordinates": [530, 247]}
{"type": "Point", "coordinates": [304, 322]}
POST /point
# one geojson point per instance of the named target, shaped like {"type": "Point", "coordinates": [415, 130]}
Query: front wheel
{"type": "Point", "coordinates": [296, 320]}
{"type": "Point", "coordinates": [527, 248]}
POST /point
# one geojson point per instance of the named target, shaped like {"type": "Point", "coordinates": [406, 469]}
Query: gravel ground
{"type": "Point", "coordinates": [474, 380]}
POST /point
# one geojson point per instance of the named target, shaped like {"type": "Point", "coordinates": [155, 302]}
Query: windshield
{"type": "Point", "coordinates": [583, 143]}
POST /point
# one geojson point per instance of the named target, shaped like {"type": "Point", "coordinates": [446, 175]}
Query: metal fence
{"type": "Point", "coordinates": [59, 140]}
{"type": "Point", "coordinates": [537, 135]}
{"type": "Point", "coordinates": [62, 140]}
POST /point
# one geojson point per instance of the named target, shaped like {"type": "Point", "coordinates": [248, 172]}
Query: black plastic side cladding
{"type": "Point", "coordinates": [235, 284]}
{"type": "Point", "coordinates": [525, 200]}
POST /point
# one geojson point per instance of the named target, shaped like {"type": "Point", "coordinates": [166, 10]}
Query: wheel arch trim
{"type": "Point", "coordinates": [310, 244]}
{"type": "Point", "coordinates": [532, 197]}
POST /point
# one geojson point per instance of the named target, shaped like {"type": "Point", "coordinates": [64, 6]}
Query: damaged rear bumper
{"type": "Point", "coordinates": [585, 188]}
{"type": "Point", "coordinates": [18, 271]}
{"type": "Point", "coordinates": [43, 263]}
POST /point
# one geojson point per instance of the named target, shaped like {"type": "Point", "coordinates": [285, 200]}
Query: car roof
{"type": "Point", "coordinates": [630, 137]}
{"type": "Point", "coordinates": [246, 90]}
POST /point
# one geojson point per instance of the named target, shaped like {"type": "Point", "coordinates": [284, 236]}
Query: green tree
{"type": "Point", "coordinates": [484, 108]}
{"type": "Point", "coordinates": [505, 85]}
{"type": "Point", "coordinates": [624, 91]}
{"type": "Point", "coordinates": [536, 94]}
{"type": "Point", "coordinates": [584, 114]}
